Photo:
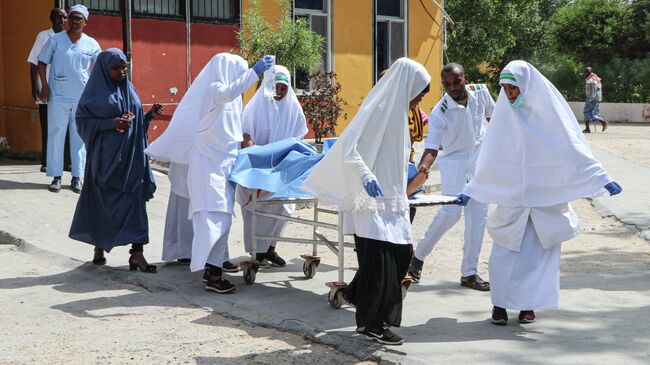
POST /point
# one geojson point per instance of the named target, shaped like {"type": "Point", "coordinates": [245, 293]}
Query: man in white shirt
{"type": "Point", "coordinates": [58, 19]}
{"type": "Point", "coordinates": [456, 126]}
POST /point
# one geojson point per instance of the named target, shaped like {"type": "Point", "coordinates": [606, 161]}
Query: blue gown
{"type": "Point", "coordinates": [111, 210]}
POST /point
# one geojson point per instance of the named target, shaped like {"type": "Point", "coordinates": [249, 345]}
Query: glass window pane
{"type": "Point", "coordinates": [396, 41]}
{"type": "Point", "coordinates": [158, 7]}
{"type": "Point", "coordinates": [311, 4]}
{"type": "Point", "coordinates": [216, 9]}
{"type": "Point", "coordinates": [319, 25]}
{"type": "Point", "coordinates": [96, 5]}
{"type": "Point", "coordinates": [390, 8]}
{"type": "Point", "coordinates": [383, 61]}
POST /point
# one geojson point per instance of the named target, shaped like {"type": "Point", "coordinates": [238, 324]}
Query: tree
{"type": "Point", "coordinates": [588, 30]}
{"type": "Point", "coordinates": [488, 34]}
{"type": "Point", "coordinates": [293, 43]}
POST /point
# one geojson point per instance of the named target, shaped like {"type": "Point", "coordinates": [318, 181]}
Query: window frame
{"type": "Point", "coordinates": [234, 20]}
{"type": "Point", "coordinates": [329, 61]}
{"type": "Point", "coordinates": [389, 20]}
{"type": "Point", "coordinates": [120, 4]}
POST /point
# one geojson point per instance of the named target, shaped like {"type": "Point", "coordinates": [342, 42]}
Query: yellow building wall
{"type": "Point", "coordinates": [19, 121]}
{"type": "Point", "coordinates": [2, 81]}
{"type": "Point", "coordinates": [425, 45]}
{"type": "Point", "coordinates": [353, 61]}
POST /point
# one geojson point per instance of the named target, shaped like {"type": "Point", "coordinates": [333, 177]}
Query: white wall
{"type": "Point", "coordinates": [616, 112]}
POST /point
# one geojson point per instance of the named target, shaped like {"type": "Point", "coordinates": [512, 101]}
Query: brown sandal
{"type": "Point", "coordinates": [475, 282]}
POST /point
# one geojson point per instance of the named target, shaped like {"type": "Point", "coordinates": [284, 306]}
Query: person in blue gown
{"type": "Point", "coordinates": [111, 210]}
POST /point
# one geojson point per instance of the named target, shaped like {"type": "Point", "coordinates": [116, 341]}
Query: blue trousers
{"type": "Point", "coordinates": [592, 111]}
{"type": "Point", "coordinates": [61, 118]}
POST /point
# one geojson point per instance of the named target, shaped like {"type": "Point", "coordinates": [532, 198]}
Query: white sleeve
{"type": "Point", "coordinates": [222, 93]}
{"type": "Point", "coordinates": [354, 162]}
{"type": "Point", "coordinates": [36, 48]}
{"type": "Point", "coordinates": [488, 102]}
{"type": "Point", "coordinates": [436, 131]}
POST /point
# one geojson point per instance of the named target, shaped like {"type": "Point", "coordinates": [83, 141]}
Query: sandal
{"type": "Point", "coordinates": [475, 282]}
{"type": "Point", "coordinates": [99, 258]}
{"type": "Point", "coordinates": [135, 264]}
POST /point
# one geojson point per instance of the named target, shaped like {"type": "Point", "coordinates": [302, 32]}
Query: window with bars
{"type": "Point", "coordinates": [390, 33]}
{"type": "Point", "coordinates": [216, 10]}
{"type": "Point", "coordinates": [98, 6]}
{"type": "Point", "coordinates": [159, 8]}
{"type": "Point", "coordinates": [317, 15]}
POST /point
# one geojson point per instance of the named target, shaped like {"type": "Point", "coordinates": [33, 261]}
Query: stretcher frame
{"type": "Point", "coordinates": [311, 262]}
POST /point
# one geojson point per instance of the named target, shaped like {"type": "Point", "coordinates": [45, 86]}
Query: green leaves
{"type": "Point", "coordinates": [292, 42]}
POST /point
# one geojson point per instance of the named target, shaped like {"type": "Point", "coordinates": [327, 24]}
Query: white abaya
{"type": "Point", "coordinates": [178, 236]}
{"type": "Point", "coordinates": [267, 121]}
{"type": "Point", "coordinates": [534, 161]}
{"type": "Point", "coordinates": [206, 135]}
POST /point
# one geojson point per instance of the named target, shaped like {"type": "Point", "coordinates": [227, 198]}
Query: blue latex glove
{"type": "Point", "coordinates": [613, 188]}
{"type": "Point", "coordinates": [373, 189]}
{"type": "Point", "coordinates": [263, 64]}
{"type": "Point", "coordinates": [463, 199]}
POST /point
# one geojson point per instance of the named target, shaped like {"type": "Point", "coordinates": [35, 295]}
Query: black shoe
{"type": "Point", "coordinates": [221, 286]}
{"type": "Point", "coordinates": [76, 185]}
{"type": "Point", "coordinates": [229, 267]}
{"type": "Point", "coordinates": [499, 316]}
{"type": "Point", "coordinates": [67, 168]}
{"type": "Point", "coordinates": [184, 261]}
{"type": "Point", "coordinates": [43, 168]}
{"type": "Point", "coordinates": [474, 282]}
{"type": "Point", "coordinates": [261, 257]}
{"type": "Point", "coordinates": [526, 317]}
{"type": "Point", "coordinates": [55, 186]}
{"type": "Point", "coordinates": [206, 275]}
{"type": "Point", "coordinates": [387, 337]}
{"type": "Point", "coordinates": [275, 259]}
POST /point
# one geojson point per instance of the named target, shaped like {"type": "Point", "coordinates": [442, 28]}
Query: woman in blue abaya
{"type": "Point", "coordinates": [111, 210]}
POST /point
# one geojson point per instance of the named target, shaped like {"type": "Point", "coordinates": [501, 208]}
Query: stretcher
{"type": "Point", "coordinates": [311, 261]}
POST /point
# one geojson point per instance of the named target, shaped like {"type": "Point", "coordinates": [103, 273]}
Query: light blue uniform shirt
{"type": "Point", "coordinates": [70, 64]}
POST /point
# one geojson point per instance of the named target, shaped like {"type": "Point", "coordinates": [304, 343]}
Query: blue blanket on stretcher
{"type": "Point", "coordinates": [281, 167]}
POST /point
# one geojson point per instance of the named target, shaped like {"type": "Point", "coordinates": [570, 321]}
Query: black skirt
{"type": "Point", "coordinates": [376, 290]}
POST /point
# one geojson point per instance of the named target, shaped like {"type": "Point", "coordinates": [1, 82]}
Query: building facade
{"type": "Point", "coordinates": [169, 41]}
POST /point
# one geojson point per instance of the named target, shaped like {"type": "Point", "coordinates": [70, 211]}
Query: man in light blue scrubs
{"type": "Point", "coordinates": [71, 55]}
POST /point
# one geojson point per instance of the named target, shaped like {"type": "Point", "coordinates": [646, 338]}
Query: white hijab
{"type": "Point", "coordinates": [534, 155]}
{"type": "Point", "coordinates": [377, 140]}
{"type": "Point", "coordinates": [175, 144]}
{"type": "Point", "coordinates": [267, 120]}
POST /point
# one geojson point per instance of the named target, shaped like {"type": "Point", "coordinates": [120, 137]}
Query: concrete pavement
{"type": "Point", "coordinates": [601, 319]}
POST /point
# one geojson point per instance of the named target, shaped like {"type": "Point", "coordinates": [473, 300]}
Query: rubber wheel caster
{"type": "Point", "coordinates": [335, 298]}
{"type": "Point", "coordinates": [309, 269]}
{"type": "Point", "coordinates": [249, 276]}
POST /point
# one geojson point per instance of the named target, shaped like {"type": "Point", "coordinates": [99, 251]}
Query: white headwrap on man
{"type": "Point", "coordinates": [81, 9]}
{"type": "Point", "coordinates": [267, 120]}
{"type": "Point", "coordinates": [376, 144]}
{"type": "Point", "coordinates": [534, 155]}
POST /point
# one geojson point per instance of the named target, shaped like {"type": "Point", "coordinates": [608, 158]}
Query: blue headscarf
{"type": "Point", "coordinates": [114, 160]}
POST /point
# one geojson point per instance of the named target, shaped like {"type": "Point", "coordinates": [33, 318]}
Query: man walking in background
{"type": "Point", "coordinates": [58, 18]}
{"type": "Point", "coordinates": [593, 97]}
{"type": "Point", "coordinates": [71, 56]}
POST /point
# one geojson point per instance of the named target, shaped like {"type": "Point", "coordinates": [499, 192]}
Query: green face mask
{"type": "Point", "coordinates": [517, 103]}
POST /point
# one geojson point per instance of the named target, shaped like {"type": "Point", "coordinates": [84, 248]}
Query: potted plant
{"type": "Point", "coordinates": [323, 105]}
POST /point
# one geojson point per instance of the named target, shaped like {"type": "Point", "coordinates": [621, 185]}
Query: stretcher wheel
{"type": "Point", "coordinates": [309, 269]}
{"type": "Point", "coordinates": [335, 298]}
{"type": "Point", "coordinates": [249, 275]}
